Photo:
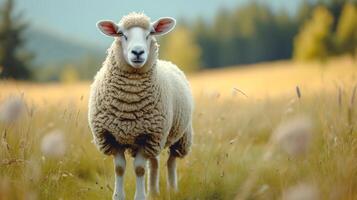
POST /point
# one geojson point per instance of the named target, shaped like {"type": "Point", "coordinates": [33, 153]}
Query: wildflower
{"type": "Point", "coordinates": [294, 135]}
{"type": "Point", "coordinates": [12, 109]}
{"type": "Point", "coordinates": [302, 191]}
{"type": "Point", "coordinates": [53, 144]}
{"type": "Point", "coordinates": [33, 170]}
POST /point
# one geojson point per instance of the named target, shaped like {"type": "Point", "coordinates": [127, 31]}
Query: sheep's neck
{"type": "Point", "coordinates": [133, 74]}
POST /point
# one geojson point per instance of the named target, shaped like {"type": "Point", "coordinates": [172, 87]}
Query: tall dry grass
{"type": "Point", "coordinates": [242, 145]}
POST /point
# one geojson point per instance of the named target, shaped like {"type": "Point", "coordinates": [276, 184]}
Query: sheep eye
{"type": "Point", "coordinates": [121, 34]}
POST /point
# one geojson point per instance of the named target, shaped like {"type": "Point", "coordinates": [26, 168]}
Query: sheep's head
{"type": "Point", "coordinates": [135, 33]}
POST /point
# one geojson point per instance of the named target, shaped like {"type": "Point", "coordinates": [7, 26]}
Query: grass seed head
{"type": "Point", "coordinates": [298, 92]}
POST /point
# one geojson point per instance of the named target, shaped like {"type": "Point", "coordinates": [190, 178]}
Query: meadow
{"type": "Point", "coordinates": [244, 122]}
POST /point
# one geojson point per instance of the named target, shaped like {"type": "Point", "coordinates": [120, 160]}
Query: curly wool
{"type": "Point", "coordinates": [150, 108]}
{"type": "Point", "coordinates": [135, 19]}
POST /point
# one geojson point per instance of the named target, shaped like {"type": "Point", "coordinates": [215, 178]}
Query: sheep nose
{"type": "Point", "coordinates": [138, 53]}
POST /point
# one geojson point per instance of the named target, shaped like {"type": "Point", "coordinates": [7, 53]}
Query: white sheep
{"type": "Point", "coordinates": [140, 103]}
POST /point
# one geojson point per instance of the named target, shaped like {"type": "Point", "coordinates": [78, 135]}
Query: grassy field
{"type": "Point", "coordinates": [256, 137]}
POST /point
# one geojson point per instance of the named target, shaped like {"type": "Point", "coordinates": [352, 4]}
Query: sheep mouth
{"type": "Point", "coordinates": [137, 61]}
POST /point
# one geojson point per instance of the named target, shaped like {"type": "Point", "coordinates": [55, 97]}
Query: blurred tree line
{"type": "Point", "coordinates": [69, 71]}
{"type": "Point", "coordinates": [14, 60]}
{"type": "Point", "coordinates": [254, 33]}
{"type": "Point", "coordinates": [246, 34]}
{"type": "Point", "coordinates": [331, 30]}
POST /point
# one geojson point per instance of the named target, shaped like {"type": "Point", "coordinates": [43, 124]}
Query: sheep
{"type": "Point", "coordinates": [140, 103]}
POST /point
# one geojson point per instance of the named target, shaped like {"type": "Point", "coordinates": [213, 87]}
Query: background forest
{"type": "Point", "coordinates": [247, 34]}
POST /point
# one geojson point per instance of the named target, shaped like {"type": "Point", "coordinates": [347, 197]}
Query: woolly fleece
{"type": "Point", "coordinates": [148, 108]}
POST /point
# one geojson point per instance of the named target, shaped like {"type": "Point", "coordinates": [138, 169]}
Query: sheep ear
{"type": "Point", "coordinates": [108, 28]}
{"type": "Point", "coordinates": [163, 25]}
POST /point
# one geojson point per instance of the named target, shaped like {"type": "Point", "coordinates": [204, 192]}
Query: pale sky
{"type": "Point", "coordinates": [77, 18]}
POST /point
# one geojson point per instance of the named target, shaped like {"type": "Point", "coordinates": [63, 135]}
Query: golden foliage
{"type": "Point", "coordinates": [347, 29]}
{"type": "Point", "coordinates": [180, 48]}
{"type": "Point", "coordinates": [312, 40]}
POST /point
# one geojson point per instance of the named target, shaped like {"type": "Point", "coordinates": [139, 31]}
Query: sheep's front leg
{"type": "Point", "coordinates": [154, 176]}
{"type": "Point", "coordinates": [140, 168]}
{"type": "Point", "coordinates": [171, 172]}
{"type": "Point", "coordinates": [119, 165]}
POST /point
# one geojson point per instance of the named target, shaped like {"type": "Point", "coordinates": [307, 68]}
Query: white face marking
{"type": "Point", "coordinates": [136, 45]}
{"type": "Point", "coordinates": [136, 41]}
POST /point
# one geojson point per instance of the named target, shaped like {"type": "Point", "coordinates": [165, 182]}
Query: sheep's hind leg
{"type": "Point", "coordinates": [171, 173]}
{"type": "Point", "coordinates": [119, 165]}
{"type": "Point", "coordinates": [140, 168]}
{"type": "Point", "coordinates": [154, 176]}
{"type": "Point", "coordinates": [178, 150]}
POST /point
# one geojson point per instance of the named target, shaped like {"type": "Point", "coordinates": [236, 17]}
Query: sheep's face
{"type": "Point", "coordinates": [136, 41]}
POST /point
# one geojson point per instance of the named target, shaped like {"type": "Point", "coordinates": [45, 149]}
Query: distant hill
{"type": "Point", "coordinates": [52, 48]}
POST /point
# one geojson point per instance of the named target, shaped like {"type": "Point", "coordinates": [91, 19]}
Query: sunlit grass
{"type": "Point", "coordinates": [232, 135]}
